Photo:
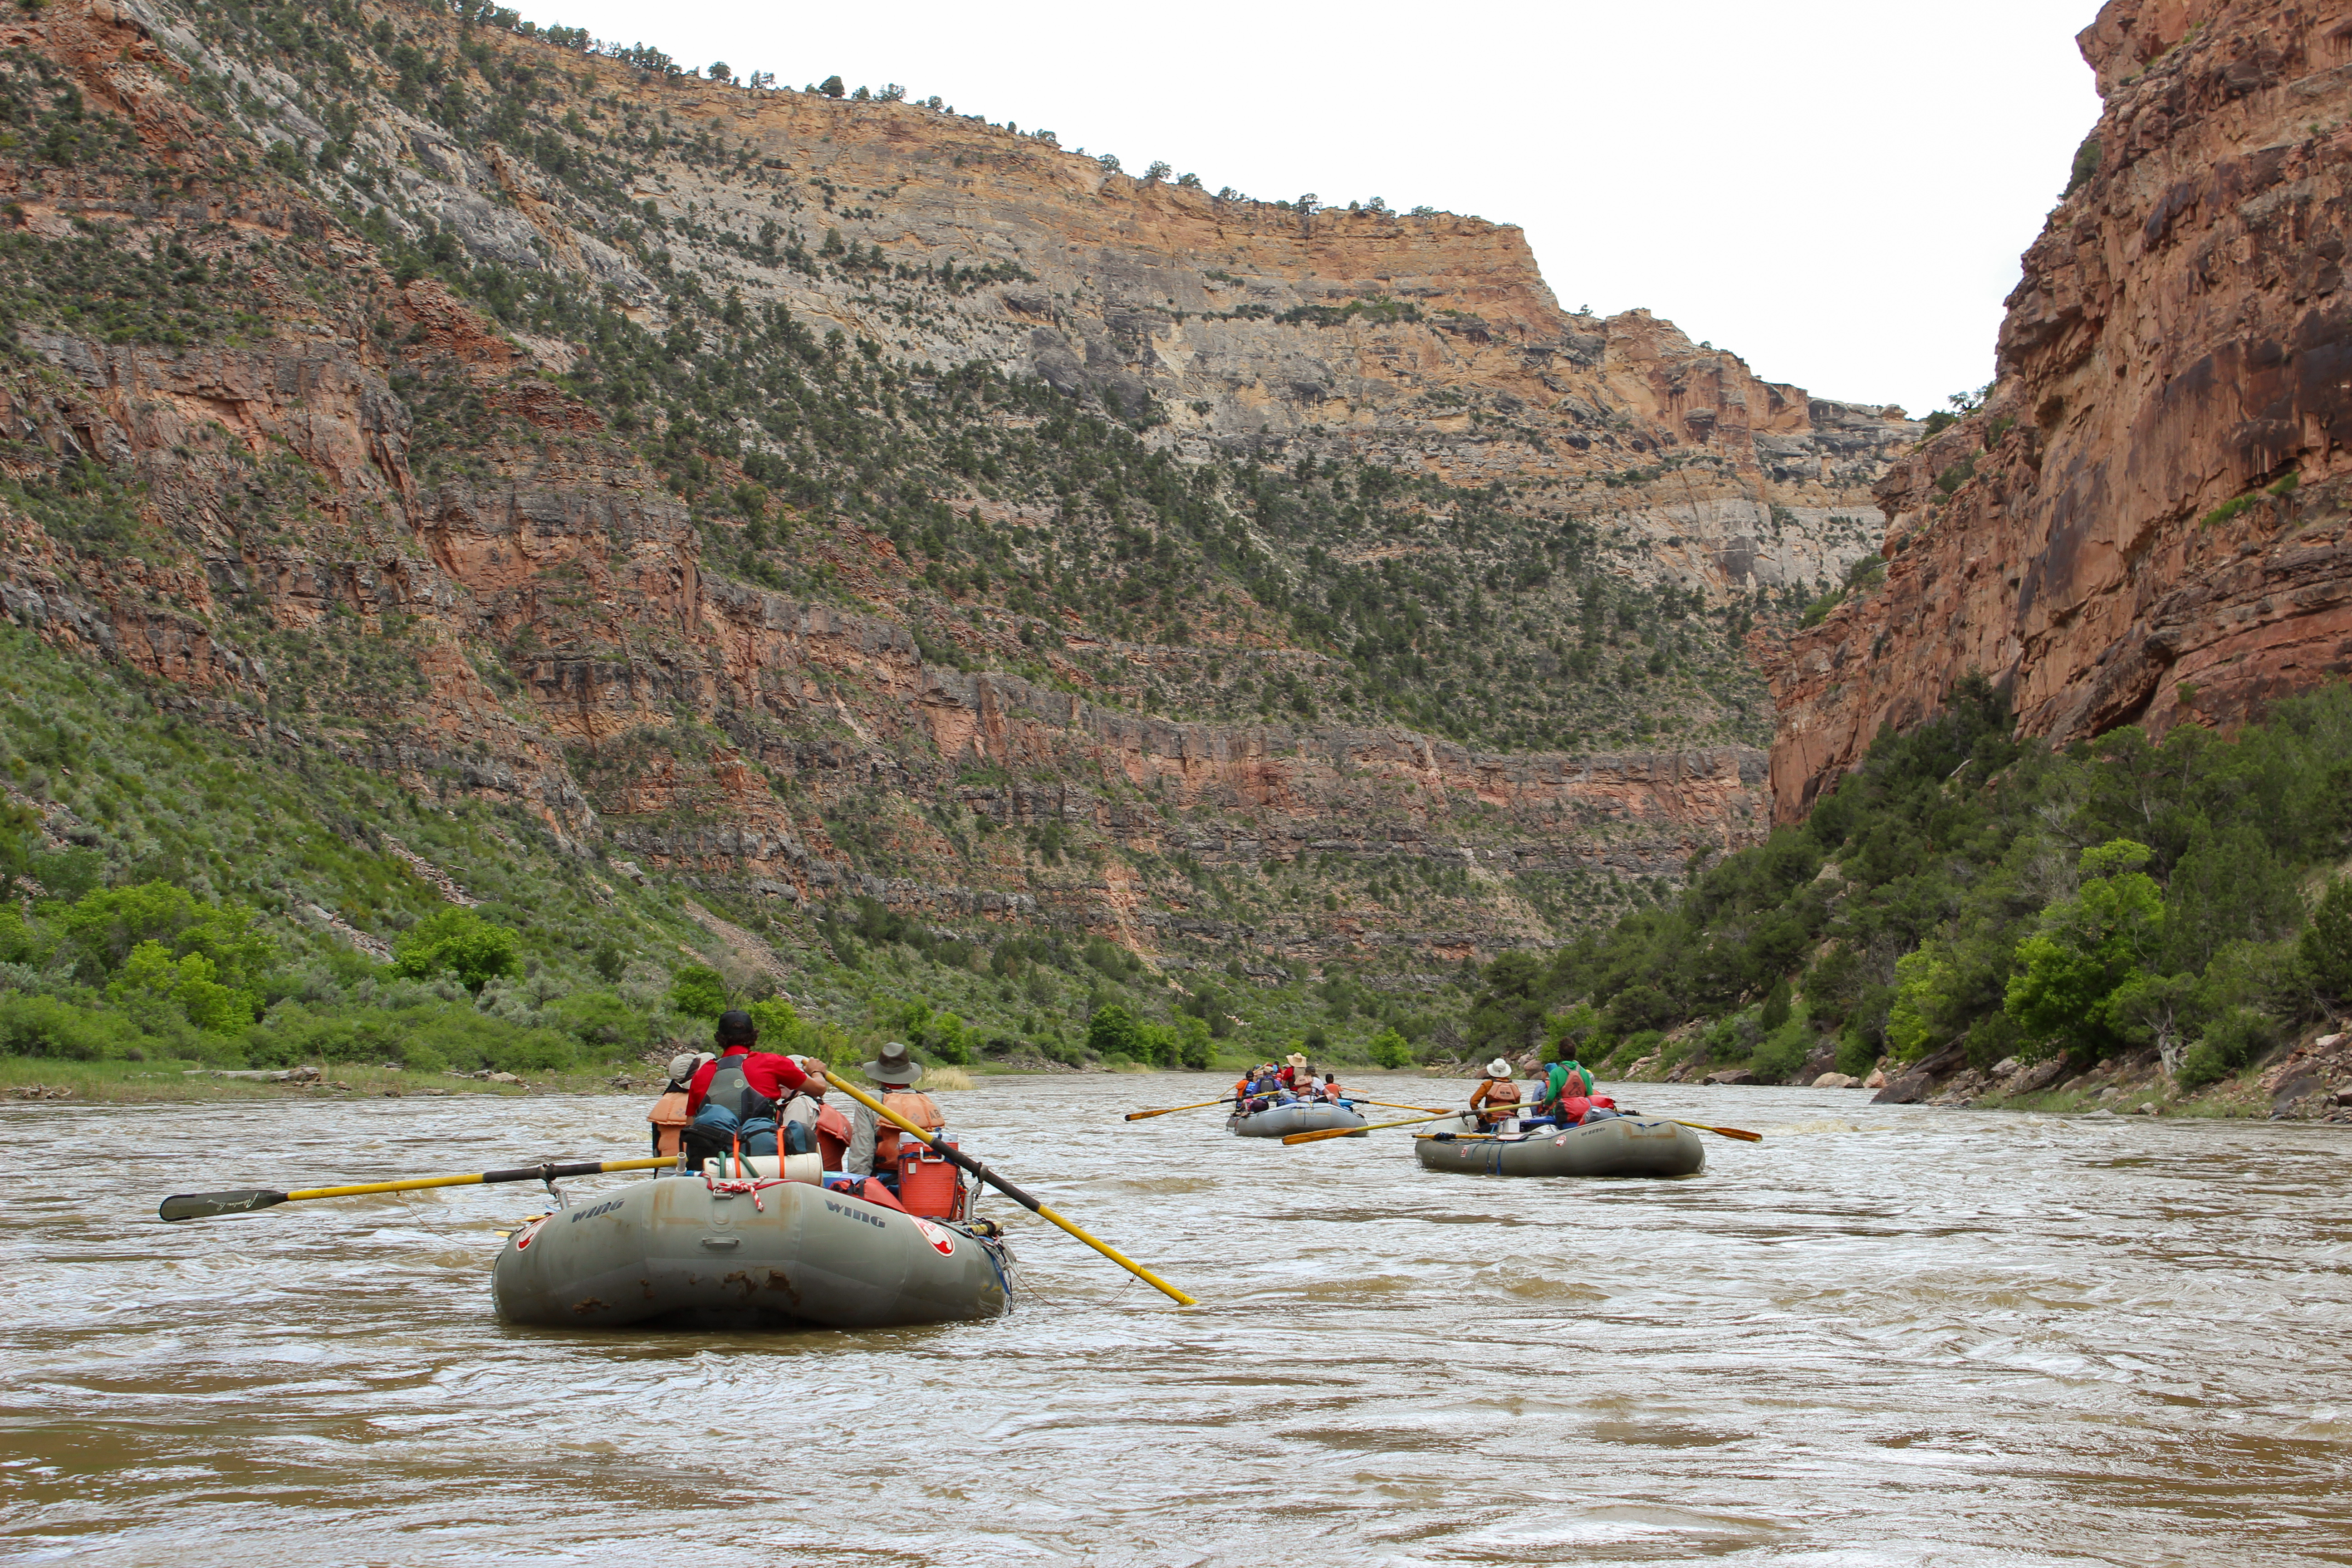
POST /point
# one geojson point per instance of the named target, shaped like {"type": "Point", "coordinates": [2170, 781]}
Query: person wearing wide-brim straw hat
{"type": "Point", "coordinates": [1497, 1098]}
{"type": "Point", "coordinates": [873, 1142]}
{"type": "Point", "coordinates": [1294, 1075]}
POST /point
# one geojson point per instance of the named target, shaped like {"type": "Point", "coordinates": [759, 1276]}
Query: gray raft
{"type": "Point", "coordinates": [1305, 1116]}
{"type": "Point", "coordinates": [1621, 1146]}
{"type": "Point", "coordinates": [681, 1249]}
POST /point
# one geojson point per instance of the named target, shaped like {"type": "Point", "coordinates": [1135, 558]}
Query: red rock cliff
{"type": "Point", "coordinates": [2145, 524]}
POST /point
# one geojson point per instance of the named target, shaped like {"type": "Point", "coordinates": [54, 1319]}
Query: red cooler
{"type": "Point", "coordinates": [930, 1184]}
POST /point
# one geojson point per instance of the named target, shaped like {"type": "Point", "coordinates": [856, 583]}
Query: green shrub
{"type": "Point", "coordinates": [2325, 950]}
{"type": "Point", "coordinates": [1111, 1031]}
{"type": "Point", "coordinates": [1855, 1053]}
{"type": "Point", "coordinates": [600, 1021]}
{"type": "Point", "coordinates": [1390, 1050]}
{"type": "Point", "coordinates": [459, 943]}
{"type": "Point", "coordinates": [699, 991]}
{"type": "Point", "coordinates": [1192, 1043]}
{"type": "Point", "coordinates": [1634, 1048]}
{"type": "Point", "coordinates": [2085, 167]}
{"type": "Point", "coordinates": [947, 1040]}
{"type": "Point", "coordinates": [52, 1027]}
{"type": "Point", "coordinates": [1783, 1052]}
{"type": "Point", "coordinates": [533, 1050]}
{"type": "Point", "coordinates": [2230, 1042]}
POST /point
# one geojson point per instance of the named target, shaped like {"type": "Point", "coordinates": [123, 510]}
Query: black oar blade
{"type": "Point", "coordinates": [212, 1205]}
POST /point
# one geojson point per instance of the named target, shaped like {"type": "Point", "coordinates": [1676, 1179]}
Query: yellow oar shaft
{"type": "Point", "coordinates": [419, 1183]}
{"type": "Point", "coordinates": [1140, 1115]}
{"type": "Point", "coordinates": [958, 1158]}
{"type": "Point", "coordinates": [1319, 1134]}
{"type": "Point", "coordinates": [1390, 1105]}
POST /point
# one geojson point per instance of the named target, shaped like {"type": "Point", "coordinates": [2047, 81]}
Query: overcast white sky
{"type": "Point", "coordinates": [1837, 190]}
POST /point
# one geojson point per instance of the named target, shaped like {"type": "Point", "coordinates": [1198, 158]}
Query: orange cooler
{"type": "Point", "coordinates": [928, 1184]}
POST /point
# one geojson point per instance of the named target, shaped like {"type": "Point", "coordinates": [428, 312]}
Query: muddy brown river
{"type": "Point", "coordinates": [1882, 1336]}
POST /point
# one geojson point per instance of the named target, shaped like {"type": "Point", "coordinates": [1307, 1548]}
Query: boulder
{"type": "Point", "coordinates": [2006, 1066]}
{"type": "Point", "coordinates": [504, 1077]}
{"type": "Point", "coordinates": [2036, 1076]}
{"type": "Point", "coordinates": [2294, 1089]}
{"type": "Point", "coordinates": [1908, 1090]}
{"type": "Point", "coordinates": [1731, 1075]}
{"type": "Point", "coordinates": [2344, 1095]}
{"type": "Point", "coordinates": [1837, 1080]}
{"type": "Point", "coordinates": [1877, 1078]}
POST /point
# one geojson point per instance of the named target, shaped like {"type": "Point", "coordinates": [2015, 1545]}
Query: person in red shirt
{"type": "Point", "coordinates": [741, 1093]}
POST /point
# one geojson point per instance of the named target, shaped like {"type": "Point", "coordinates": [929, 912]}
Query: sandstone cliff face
{"type": "Point", "coordinates": [1429, 343]}
{"type": "Point", "coordinates": [2146, 521]}
{"type": "Point", "coordinates": [371, 520]}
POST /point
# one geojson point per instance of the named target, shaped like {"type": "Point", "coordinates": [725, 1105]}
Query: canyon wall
{"type": "Point", "coordinates": [316, 418]}
{"type": "Point", "coordinates": [2146, 521]}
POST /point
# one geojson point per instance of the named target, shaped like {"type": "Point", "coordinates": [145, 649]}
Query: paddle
{"type": "Point", "coordinates": [212, 1205]}
{"type": "Point", "coordinates": [964, 1161]}
{"type": "Point", "coordinates": [1140, 1115]}
{"type": "Point", "coordinates": [1317, 1137]}
{"type": "Point", "coordinates": [1388, 1105]}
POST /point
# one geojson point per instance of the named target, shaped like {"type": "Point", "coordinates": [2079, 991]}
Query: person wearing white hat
{"type": "Point", "coordinates": [669, 1115]}
{"type": "Point", "coordinates": [1496, 1098]}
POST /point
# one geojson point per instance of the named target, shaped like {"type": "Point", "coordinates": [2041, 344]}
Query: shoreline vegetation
{"type": "Point", "coordinates": [173, 898]}
{"type": "Point", "coordinates": [1973, 914]}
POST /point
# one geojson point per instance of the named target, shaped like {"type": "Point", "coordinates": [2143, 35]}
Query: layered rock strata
{"type": "Point", "coordinates": [2146, 521]}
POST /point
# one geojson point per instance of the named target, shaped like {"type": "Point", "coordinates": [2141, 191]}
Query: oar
{"type": "Point", "coordinates": [1727, 1132]}
{"type": "Point", "coordinates": [1388, 1105]}
{"type": "Point", "coordinates": [1317, 1137]}
{"type": "Point", "coordinates": [1140, 1115]}
{"type": "Point", "coordinates": [211, 1206]}
{"type": "Point", "coordinates": [959, 1157]}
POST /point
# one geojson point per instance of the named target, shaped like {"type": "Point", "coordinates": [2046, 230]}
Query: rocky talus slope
{"type": "Point", "coordinates": [2146, 521]}
{"type": "Point", "coordinates": [817, 496]}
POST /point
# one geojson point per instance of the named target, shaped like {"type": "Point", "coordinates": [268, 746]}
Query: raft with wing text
{"type": "Point", "coordinates": [1620, 1146]}
{"type": "Point", "coordinates": [758, 1245]}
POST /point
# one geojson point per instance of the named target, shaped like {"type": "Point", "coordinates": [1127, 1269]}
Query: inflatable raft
{"type": "Point", "coordinates": [699, 1250]}
{"type": "Point", "coordinates": [1620, 1146]}
{"type": "Point", "coordinates": [1304, 1116]}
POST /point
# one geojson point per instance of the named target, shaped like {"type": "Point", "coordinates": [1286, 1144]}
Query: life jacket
{"type": "Point", "coordinates": [1496, 1098]}
{"type": "Point", "coordinates": [730, 1088]}
{"type": "Point", "coordinates": [670, 1120]}
{"type": "Point", "coordinates": [916, 1108]}
{"type": "Point", "coordinates": [833, 1135]}
{"type": "Point", "coordinates": [1566, 1079]}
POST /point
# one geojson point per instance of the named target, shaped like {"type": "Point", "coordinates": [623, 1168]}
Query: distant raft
{"type": "Point", "coordinates": [697, 1251]}
{"type": "Point", "coordinates": [1620, 1146]}
{"type": "Point", "coordinates": [1302, 1116]}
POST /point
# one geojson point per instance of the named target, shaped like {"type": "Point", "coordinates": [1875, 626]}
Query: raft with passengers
{"type": "Point", "coordinates": [765, 1206]}
{"type": "Point", "coordinates": [1275, 1102]}
{"type": "Point", "coordinates": [780, 1210]}
{"type": "Point", "coordinates": [1571, 1129]}
{"type": "Point", "coordinates": [1563, 1127]}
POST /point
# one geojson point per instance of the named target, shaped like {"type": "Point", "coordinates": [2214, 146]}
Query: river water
{"type": "Point", "coordinates": [1884, 1335]}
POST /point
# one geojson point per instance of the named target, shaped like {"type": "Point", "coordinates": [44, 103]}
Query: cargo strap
{"type": "Point", "coordinates": [736, 1187]}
